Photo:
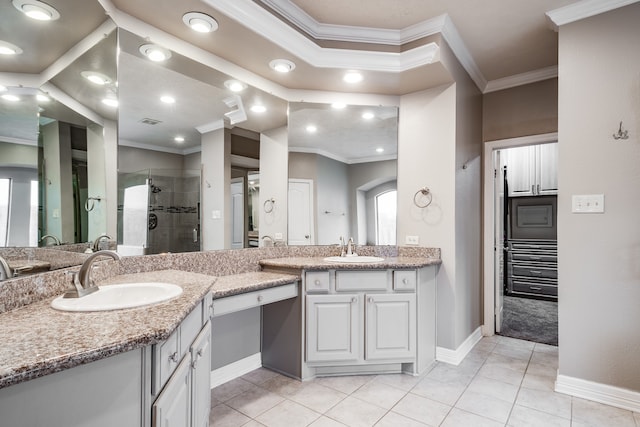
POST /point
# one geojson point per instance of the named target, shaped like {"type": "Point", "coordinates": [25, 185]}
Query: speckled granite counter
{"type": "Point", "coordinates": [317, 263]}
{"type": "Point", "coordinates": [227, 286]}
{"type": "Point", "coordinates": [38, 340]}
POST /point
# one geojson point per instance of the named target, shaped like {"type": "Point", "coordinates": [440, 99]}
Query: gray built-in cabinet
{"type": "Point", "coordinates": [532, 170]}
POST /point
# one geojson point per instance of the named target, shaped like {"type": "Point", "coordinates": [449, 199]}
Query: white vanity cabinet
{"type": "Point", "coordinates": [379, 320]}
{"type": "Point", "coordinates": [181, 368]}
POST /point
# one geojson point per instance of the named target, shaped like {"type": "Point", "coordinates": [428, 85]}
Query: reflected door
{"type": "Point", "coordinates": [237, 214]}
{"type": "Point", "coordinates": [300, 212]}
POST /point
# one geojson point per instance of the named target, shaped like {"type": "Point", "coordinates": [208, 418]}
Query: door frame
{"type": "Point", "coordinates": [488, 202]}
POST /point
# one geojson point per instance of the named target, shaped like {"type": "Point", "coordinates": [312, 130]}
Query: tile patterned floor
{"type": "Point", "coordinates": [502, 382]}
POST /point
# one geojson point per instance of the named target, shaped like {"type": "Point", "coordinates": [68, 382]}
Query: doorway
{"type": "Point", "coordinates": [516, 305]}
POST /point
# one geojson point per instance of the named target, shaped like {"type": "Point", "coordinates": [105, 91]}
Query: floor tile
{"type": "Point", "coordinates": [346, 384]}
{"type": "Point", "coordinates": [497, 359]}
{"type": "Point", "coordinates": [326, 422]}
{"type": "Point", "coordinates": [514, 352]}
{"type": "Point", "coordinates": [230, 389]}
{"type": "Point", "coordinates": [401, 381]}
{"type": "Point", "coordinates": [522, 416]}
{"type": "Point", "coordinates": [422, 409]}
{"type": "Point", "coordinates": [253, 423]}
{"type": "Point", "coordinates": [596, 414]}
{"type": "Point", "coordinates": [380, 394]}
{"type": "Point", "coordinates": [393, 419]}
{"type": "Point", "coordinates": [259, 376]}
{"type": "Point", "coordinates": [545, 401]}
{"type": "Point", "coordinates": [494, 388]}
{"type": "Point", "coordinates": [443, 372]}
{"type": "Point", "coordinates": [317, 397]}
{"type": "Point", "coordinates": [288, 414]}
{"type": "Point", "coordinates": [545, 348]}
{"type": "Point", "coordinates": [459, 418]}
{"type": "Point", "coordinates": [538, 382]}
{"type": "Point", "coordinates": [356, 413]}
{"type": "Point", "coordinates": [444, 392]}
{"type": "Point", "coordinates": [283, 386]}
{"type": "Point", "coordinates": [542, 358]}
{"type": "Point", "coordinates": [485, 406]}
{"type": "Point", "coordinates": [542, 370]}
{"type": "Point", "coordinates": [514, 342]}
{"type": "Point", "coordinates": [224, 416]}
{"type": "Point", "coordinates": [501, 373]}
{"type": "Point", "coordinates": [254, 401]}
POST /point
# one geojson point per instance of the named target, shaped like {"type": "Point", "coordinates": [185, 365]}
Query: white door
{"type": "Point", "coordinates": [300, 212]}
{"type": "Point", "coordinates": [237, 213]}
{"type": "Point", "coordinates": [390, 326]}
{"type": "Point", "coordinates": [333, 325]}
{"type": "Point", "coordinates": [498, 242]}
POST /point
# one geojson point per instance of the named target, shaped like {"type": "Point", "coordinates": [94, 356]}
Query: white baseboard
{"type": "Point", "coordinates": [235, 369]}
{"type": "Point", "coordinates": [456, 356]}
{"type": "Point", "coordinates": [597, 392]}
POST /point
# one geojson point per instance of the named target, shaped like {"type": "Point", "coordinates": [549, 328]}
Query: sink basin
{"type": "Point", "coordinates": [354, 259]}
{"type": "Point", "coordinates": [116, 297]}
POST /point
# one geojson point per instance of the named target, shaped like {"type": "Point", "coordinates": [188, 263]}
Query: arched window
{"type": "Point", "coordinates": [386, 207]}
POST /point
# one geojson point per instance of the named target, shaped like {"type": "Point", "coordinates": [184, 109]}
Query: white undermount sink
{"type": "Point", "coordinates": [357, 259]}
{"type": "Point", "coordinates": [116, 297]}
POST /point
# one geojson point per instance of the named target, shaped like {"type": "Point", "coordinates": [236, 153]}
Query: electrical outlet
{"type": "Point", "coordinates": [216, 214]}
{"type": "Point", "coordinates": [588, 203]}
{"type": "Point", "coordinates": [412, 240]}
{"type": "Point", "coordinates": [278, 236]}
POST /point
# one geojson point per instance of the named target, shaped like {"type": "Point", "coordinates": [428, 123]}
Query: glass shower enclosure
{"type": "Point", "coordinates": [159, 211]}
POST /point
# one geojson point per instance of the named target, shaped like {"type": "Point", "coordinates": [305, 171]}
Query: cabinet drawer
{"type": "Point", "coordinates": [317, 281]}
{"type": "Point", "coordinates": [372, 280]}
{"type": "Point", "coordinates": [189, 329]}
{"type": "Point", "coordinates": [254, 299]}
{"type": "Point", "coordinates": [534, 288]}
{"type": "Point", "coordinates": [404, 280]}
{"type": "Point", "coordinates": [532, 245]}
{"type": "Point", "coordinates": [534, 257]}
{"type": "Point", "coordinates": [528, 270]}
{"type": "Point", "coordinates": [165, 360]}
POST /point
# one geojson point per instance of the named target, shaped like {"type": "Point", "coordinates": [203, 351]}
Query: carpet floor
{"type": "Point", "coordinates": [530, 319]}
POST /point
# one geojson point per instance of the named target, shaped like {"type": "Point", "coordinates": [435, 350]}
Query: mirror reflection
{"type": "Point", "coordinates": [342, 173]}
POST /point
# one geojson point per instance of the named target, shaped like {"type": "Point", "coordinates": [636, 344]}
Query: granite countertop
{"type": "Point", "coordinates": [28, 265]}
{"type": "Point", "coordinates": [38, 340]}
{"type": "Point", "coordinates": [241, 283]}
{"type": "Point", "coordinates": [318, 263]}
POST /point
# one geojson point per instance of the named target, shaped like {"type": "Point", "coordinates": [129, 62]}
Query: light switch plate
{"type": "Point", "coordinates": [216, 214]}
{"type": "Point", "coordinates": [412, 240]}
{"type": "Point", "coordinates": [587, 203]}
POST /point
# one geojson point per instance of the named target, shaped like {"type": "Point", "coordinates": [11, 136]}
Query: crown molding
{"type": "Point", "coordinates": [584, 9]}
{"type": "Point", "coordinates": [210, 127]}
{"type": "Point", "coordinates": [321, 152]}
{"type": "Point", "coordinates": [20, 141]}
{"type": "Point", "coordinates": [151, 147]}
{"type": "Point", "coordinates": [459, 49]}
{"type": "Point", "coordinates": [522, 79]}
{"type": "Point", "coordinates": [62, 97]}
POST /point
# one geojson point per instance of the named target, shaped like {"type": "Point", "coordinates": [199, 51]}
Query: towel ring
{"type": "Point", "coordinates": [422, 198]}
{"type": "Point", "coordinates": [93, 200]}
{"type": "Point", "coordinates": [268, 205]}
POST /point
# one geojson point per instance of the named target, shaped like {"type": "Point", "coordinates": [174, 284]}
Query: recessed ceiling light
{"type": "Point", "coordinates": [111, 102]}
{"type": "Point", "coordinates": [7, 48]}
{"type": "Point", "coordinates": [41, 97]}
{"type": "Point", "coordinates": [379, 150]}
{"type": "Point", "coordinates": [352, 77]}
{"type": "Point", "coordinates": [167, 99]}
{"type": "Point", "coordinates": [200, 22]}
{"type": "Point", "coordinates": [155, 52]}
{"type": "Point", "coordinates": [36, 10]}
{"type": "Point", "coordinates": [96, 78]}
{"type": "Point", "coordinates": [368, 115]}
{"type": "Point", "coordinates": [312, 128]}
{"type": "Point", "coordinates": [338, 105]}
{"type": "Point", "coordinates": [9, 97]}
{"type": "Point", "coordinates": [257, 108]}
{"type": "Point", "coordinates": [282, 65]}
{"type": "Point", "coordinates": [179, 139]}
{"type": "Point", "coordinates": [235, 85]}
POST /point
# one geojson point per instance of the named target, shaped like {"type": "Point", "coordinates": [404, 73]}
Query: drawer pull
{"type": "Point", "coordinates": [173, 357]}
{"type": "Point", "coordinates": [535, 288]}
{"type": "Point", "coordinates": [260, 298]}
{"type": "Point", "coordinates": [405, 281]}
{"type": "Point", "coordinates": [318, 283]}
{"type": "Point", "coordinates": [535, 272]}
{"type": "Point", "coordinates": [534, 258]}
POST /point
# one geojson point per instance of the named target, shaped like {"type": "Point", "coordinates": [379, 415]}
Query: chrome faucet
{"type": "Point", "coordinates": [56, 241]}
{"type": "Point", "coordinates": [341, 246]}
{"type": "Point", "coordinates": [6, 272]}
{"type": "Point", "coordinates": [351, 247]}
{"type": "Point", "coordinates": [96, 243]}
{"type": "Point", "coordinates": [82, 279]}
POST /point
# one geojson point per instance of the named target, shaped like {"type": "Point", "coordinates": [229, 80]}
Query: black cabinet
{"type": "Point", "coordinates": [532, 268]}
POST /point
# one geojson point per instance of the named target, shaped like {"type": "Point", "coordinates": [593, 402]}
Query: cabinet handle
{"type": "Point", "coordinates": [354, 299]}
{"type": "Point", "coordinates": [533, 189]}
{"type": "Point", "coordinates": [173, 357]}
{"type": "Point", "coordinates": [199, 352]}
{"type": "Point", "coordinates": [534, 258]}
{"type": "Point", "coordinates": [194, 364]}
{"type": "Point", "coordinates": [535, 288]}
{"type": "Point", "coordinates": [535, 272]}
{"type": "Point", "coordinates": [260, 298]}
{"type": "Point", "coordinates": [538, 189]}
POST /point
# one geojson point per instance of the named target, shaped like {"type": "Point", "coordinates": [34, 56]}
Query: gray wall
{"type": "Point", "coordinates": [332, 190]}
{"type": "Point", "coordinates": [599, 254]}
{"type": "Point", "coordinates": [131, 159]}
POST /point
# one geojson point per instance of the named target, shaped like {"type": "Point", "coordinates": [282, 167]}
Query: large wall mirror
{"type": "Point", "coordinates": [342, 173]}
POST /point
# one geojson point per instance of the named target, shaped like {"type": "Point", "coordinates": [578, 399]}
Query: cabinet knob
{"type": "Point", "coordinates": [354, 299]}
{"type": "Point", "coordinates": [370, 300]}
{"type": "Point", "coordinates": [194, 364]}
{"type": "Point", "coordinates": [317, 282]}
{"type": "Point", "coordinates": [405, 281]}
{"type": "Point", "coordinates": [260, 298]}
{"type": "Point", "coordinates": [173, 357]}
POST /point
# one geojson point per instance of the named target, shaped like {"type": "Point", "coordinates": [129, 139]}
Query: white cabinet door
{"type": "Point", "coordinates": [333, 325]}
{"type": "Point", "coordinates": [390, 326]}
{"type": "Point", "coordinates": [173, 407]}
{"type": "Point", "coordinates": [548, 169]}
{"type": "Point", "coordinates": [521, 173]}
{"type": "Point", "coordinates": [200, 377]}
